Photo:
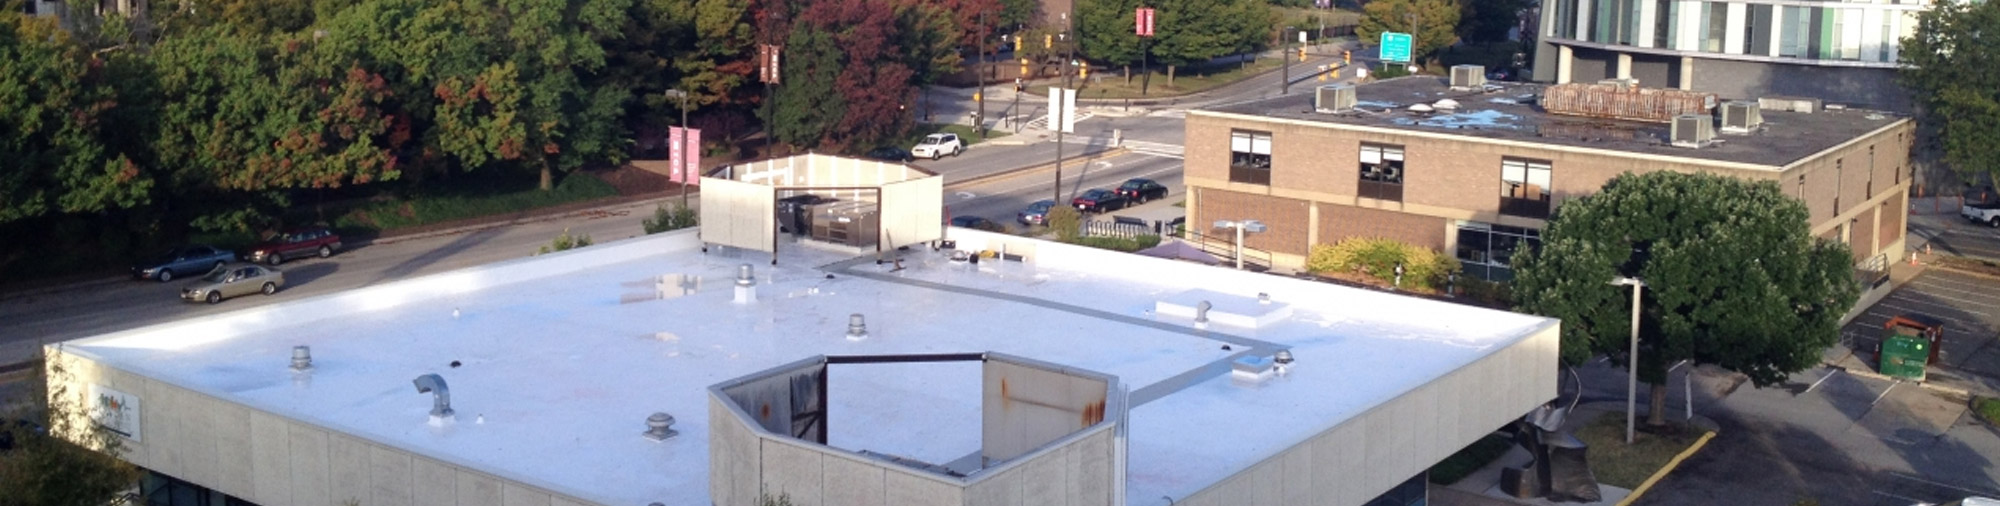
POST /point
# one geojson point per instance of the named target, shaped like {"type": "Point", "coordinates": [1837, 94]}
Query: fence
{"type": "Point", "coordinates": [1225, 248]}
{"type": "Point", "coordinates": [1118, 229]}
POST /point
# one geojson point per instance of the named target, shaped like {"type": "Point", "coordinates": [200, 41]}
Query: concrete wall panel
{"type": "Point", "coordinates": [309, 465]}
{"type": "Point", "coordinates": [1298, 475]}
{"type": "Point", "coordinates": [476, 489]}
{"type": "Point", "coordinates": [1002, 489]}
{"type": "Point", "coordinates": [1092, 469]}
{"type": "Point", "coordinates": [517, 495]}
{"type": "Point", "coordinates": [1338, 462]}
{"type": "Point", "coordinates": [435, 483]}
{"type": "Point", "coordinates": [1042, 481]}
{"type": "Point", "coordinates": [347, 468]}
{"type": "Point", "coordinates": [904, 489]}
{"type": "Point", "coordinates": [793, 470]}
{"type": "Point", "coordinates": [389, 477]}
{"type": "Point", "coordinates": [270, 460]}
{"type": "Point", "coordinates": [201, 448]}
{"type": "Point", "coordinates": [853, 483]}
{"type": "Point", "coordinates": [234, 460]}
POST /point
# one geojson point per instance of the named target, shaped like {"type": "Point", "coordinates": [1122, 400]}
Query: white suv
{"type": "Point", "coordinates": [935, 146]}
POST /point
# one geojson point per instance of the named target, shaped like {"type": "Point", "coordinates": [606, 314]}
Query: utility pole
{"type": "Point", "coordinates": [979, 67]}
{"type": "Point", "coordinates": [1285, 53]}
{"type": "Point", "coordinates": [1062, 99]}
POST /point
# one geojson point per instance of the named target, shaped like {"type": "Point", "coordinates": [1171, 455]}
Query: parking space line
{"type": "Point", "coordinates": [1941, 484]}
{"type": "Point", "coordinates": [1955, 320]}
{"type": "Point", "coordinates": [1910, 500]}
{"type": "Point", "coordinates": [1929, 284]}
{"type": "Point", "coordinates": [1954, 299]}
{"type": "Point", "coordinates": [1822, 379]}
{"type": "Point", "coordinates": [1885, 393]}
{"type": "Point", "coordinates": [1951, 279]}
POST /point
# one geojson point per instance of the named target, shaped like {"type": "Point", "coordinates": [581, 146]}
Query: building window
{"type": "Point", "coordinates": [1382, 172]}
{"type": "Point", "coordinates": [1794, 28]}
{"type": "Point", "coordinates": [1524, 188]}
{"type": "Point", "coordinates": [1715, 22]}
{"type": "Point", "coordinates": [1250, 157]}
{"type": "Point", "coordinates": [1487, 250]}
{"type": "Point", "coordinates": [1666, 20]}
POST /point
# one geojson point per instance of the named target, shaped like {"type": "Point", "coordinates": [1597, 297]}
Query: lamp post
{"type": "Point", "coordinates": [678, 93]}
{"type": "Point", "coordinates": [1632, 358]}
{"type": "Point", "coordinates": [1241, 226]}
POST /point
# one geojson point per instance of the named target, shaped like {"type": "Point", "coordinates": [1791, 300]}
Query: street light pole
{"type": "Point", "coordinates": [685, 153]}
{"type": "Point", "coordinates": [979, 118]}
{"type": "Point", "coordinates": [1285, 53]}
{"type": "Point", "coordinates": [1632, 358]}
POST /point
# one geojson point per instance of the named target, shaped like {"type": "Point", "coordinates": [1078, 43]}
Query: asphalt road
{"type": "Point", "coordinates": [999, 200]}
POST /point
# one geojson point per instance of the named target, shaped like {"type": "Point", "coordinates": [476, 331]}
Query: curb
{"type": "Point", "coordinates": [1924, 384]}
{"type": "Point", "coordinates": [1664, 470]}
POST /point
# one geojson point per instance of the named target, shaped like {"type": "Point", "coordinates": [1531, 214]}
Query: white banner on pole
{"type": "Point", "coordinates": [1062, 110]}
{"type": "Point", "coordinates": [1069, 111]}
{"type": "Point", "coordinates": [1055, 109]}
{"type": "Point", "coordinates": [691, 169]}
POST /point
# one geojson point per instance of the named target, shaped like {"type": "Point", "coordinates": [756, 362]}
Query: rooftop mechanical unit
{"type": "Point", "coordinates": [1334, 98]}
{"type": "Point", "coordinates": [1693, 130]}
{"type": "Point", "coordinates": [1741, 117]}
{"type": "Point", "coordinates": [1626, 84]}
{"type": "Point", "coordinates": [1468, 77]}
{"type": "Point", "coordinates": [1791, 104]}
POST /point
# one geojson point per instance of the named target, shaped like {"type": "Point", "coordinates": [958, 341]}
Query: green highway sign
{"type": "Point", "coordinates": [1396, 47]}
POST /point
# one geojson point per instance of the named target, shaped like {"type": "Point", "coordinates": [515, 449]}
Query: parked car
{"type": "Point", "coordinates": [1099, 200]}
{"type": "Point", "coordinates": [1036, 213]}
{"type": "Point", "coordinates": [891, 153]}
{"type": "Point", "coordinates": [1141, 190]}
{"type": "Point", "coordinates": [1985, 214]}
{"type": "Point", "coordinates": [294, 244]}
{"type": "Point", "coordinates": [189, 260]}
{"type": "Point", "coordinates": [976, 223]}
{"type": "Point", "coordinates": [230, 282]}
{"type": "Point", "coordinates": [935, 146]}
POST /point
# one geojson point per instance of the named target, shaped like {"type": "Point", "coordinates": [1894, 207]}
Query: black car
{"type": "Point", "coordinates": [1099, 200]}
{"type": "Point", "coordinates": [975, 223]}
{"type": "Point", "coordinates": [891, 153]}
{"type": "Point", "coordinates": [1036, 213]}
{"type": "Point", "coordinates": [1141, 190]}
{"type": "Point", "coordinates": [190, 260]}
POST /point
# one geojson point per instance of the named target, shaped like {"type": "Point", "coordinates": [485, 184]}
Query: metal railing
{"type": "Point", "coordinates": [1225, 248]}
{"type": "Point", "coordinates": [1120, 230]}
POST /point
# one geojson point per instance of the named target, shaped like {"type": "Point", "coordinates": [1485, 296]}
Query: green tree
{"type": "Point", "coordinates": [58, 151]}
{"type": "Point", "coordinates": [1951, 64]}
{"type": "Point", "coordinates": [1432, 24]}
{"type": "Point", "coordinates": [1106, 29]}
{"type": "Point", "coordinates": [1733, 277]}
{"type": "Point", "coordinates": [1488, 21]}
{"type": "Point", "coordinates": [1190, 32]}
{"type": "Point", "coordinates": [807, 107]}
{"type": "Point", "coordinates": [74, 464]}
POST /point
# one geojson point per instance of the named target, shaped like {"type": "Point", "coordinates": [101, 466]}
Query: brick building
{"type": "Point", "coordinates": [1480, 179]}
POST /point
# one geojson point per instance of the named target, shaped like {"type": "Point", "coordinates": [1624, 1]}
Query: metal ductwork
{"type": "Point", "coordinates": [440, 394]}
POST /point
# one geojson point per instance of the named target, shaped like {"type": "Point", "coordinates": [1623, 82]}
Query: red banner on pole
{"type": "Point", "coordinates": [1144, 18]}
{"type": "Point", "coordinates": [693, 151]}
{"type": "Point", "coordinates": [674, 171]}
{"type": "Point", "coordinates": [767, 63]}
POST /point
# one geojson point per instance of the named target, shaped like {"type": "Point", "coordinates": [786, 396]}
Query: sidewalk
{"type": "Point", "coordinates": [1482, 487]}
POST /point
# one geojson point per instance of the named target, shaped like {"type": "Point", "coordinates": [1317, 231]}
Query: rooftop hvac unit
{"type": "Point", "coordinates": [1468, 77]}
{"type": "Point", "coordinates": [1741, 117]}
{"type": "Point", "coordinates": [1334, 98]}
{"type": "Point", "coordinates": [1622, 84]}
{"type": "Point", "coordinates": [1693, 130]}
{"type": "Point", "coordinates": [1791, 104]}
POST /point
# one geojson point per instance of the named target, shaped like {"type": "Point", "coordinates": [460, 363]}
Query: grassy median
{"type": "Point", "coordinates": [1626, 466]}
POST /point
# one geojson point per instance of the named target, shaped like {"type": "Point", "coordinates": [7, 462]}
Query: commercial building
{"type": "Point", "coordinates": [1839, 51]}
{"type": "Point", "coordinates": [670, 369]}
{"type": "Point", "coordinates": [1477, 170]}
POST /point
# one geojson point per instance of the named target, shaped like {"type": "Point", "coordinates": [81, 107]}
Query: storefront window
{"type": "Point", "coordinates": [1487, 251]}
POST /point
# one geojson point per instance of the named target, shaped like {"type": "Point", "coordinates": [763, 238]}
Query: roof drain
{"type": "Point", "coordinates": [440, 396]}
{"type": "Point", "coordinates": [857, 329]}
{"type": "Point", "coordinates": [1201, 314]}
{"type": "Point", "coordinates": [658, 427]}
{"type": "Point", "coordinates": [746, 284]}
{"type": "Point", "coordinates": [302, 359]}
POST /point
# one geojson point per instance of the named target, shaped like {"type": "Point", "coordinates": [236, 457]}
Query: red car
{"type": "Point", "coordinates": [294, 244]}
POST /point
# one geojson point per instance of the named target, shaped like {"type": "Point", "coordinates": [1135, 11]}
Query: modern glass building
{"type": "Point", "coordinates": [1841, 51]}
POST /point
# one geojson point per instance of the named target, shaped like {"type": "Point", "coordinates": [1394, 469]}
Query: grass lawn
{"type": "Point", "coordinates": [1471, 458]}
{"type": "Point", "coordinates": [1988, 409]}
{"type": "Point", "coordinates": [1626, 466]}
{"type": "Point", "coordinates": [1110, 83]}
{"type": "Point", "coordinates": [457, 205]}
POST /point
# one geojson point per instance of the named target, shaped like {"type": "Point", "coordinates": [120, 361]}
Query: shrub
{"type": "Point", "coordinates": [1988, 409]}
{"type": "Point", "coordinates": [1377, 258]}
{"type": "Point", "coordinates": [1491, 293]}
{"type": "Point", "coordinates": [1066, 222]}
{"type": "Point", "coordinates": [565, 242]}
{"type": "Point", "coordinates": [1127, 245]}
{"type": "Point", "coordinates": [664, 219]}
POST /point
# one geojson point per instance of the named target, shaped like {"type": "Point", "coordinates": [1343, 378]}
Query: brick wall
{"type": "Point", "coordinates": [1862, 239]}
{"type": "Point", "coordinates": [1893, 212]}
{"type": "Point", "coordinates": [1287, 219]}
{"type": "Point", "coordinates": [1338, 222]}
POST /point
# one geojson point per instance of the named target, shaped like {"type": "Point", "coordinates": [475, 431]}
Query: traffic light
{"type": "Point", "coordinates": [1017, 44]}
{"type": "Point", "coordinates": [1024, 66]}
{"type": "Point", "coordinates": [1048, 41]}
{"type": "Point", "coordinates": [975, 96]}
{"type": "Point", "coordinates": [1302, 54]}
{"type": "Point", "coordinates": [1347, 57]}
{"type": "Point", "coordinates": [1082, 71]}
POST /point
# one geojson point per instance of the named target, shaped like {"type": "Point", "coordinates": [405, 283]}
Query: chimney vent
{"type": "Point", "coordinates": [746, 284]}
{"type": "Point", "coordinates": [857, 328]}
{"type": "Point", "coordinates": [440, 394]}
{"type": "Point", "coordinates": [302, 359]}
{"type": "Point", "coordinates": [659, 427]}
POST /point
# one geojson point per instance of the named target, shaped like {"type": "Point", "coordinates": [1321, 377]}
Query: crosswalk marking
{"type": "Point", "coordinates": [1159, 149]}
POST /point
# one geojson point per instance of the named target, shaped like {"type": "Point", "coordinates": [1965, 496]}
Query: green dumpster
{"type": "Point", "coordinates": [1904, 357]}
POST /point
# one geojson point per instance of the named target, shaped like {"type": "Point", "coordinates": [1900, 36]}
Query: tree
{"type": "Point", "coordinates": [59, 152]}
{"type": "Point", "coordinates": [1733, 277]}
{"type": "Point", "coordinates": [1105, 29]}
{"type": "Point", "coordinates": [1489, 21]}
{"type": "Point", "coordinates": [1432, 24]}
{"type": "Point", "coordinates": [810, 107]}
{"type": "Point", "coordinates": [929, 41]}
{"type": "Point", "coordinates": [1190, 32]}
{"type": "Point", "coordinates": [74, 463]}
{"type": "Point", "coordinates": [1951, 64]}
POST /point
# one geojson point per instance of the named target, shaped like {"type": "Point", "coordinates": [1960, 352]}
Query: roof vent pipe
{"type": "Point", "coordinates": [440, 394]}
{"type": "Point", "coordinates": [746, 284]}
{"type": "Point", "coordinates": [1264, 298]}
{"type": "Point", "coordinates": [302, 359]}
{"type": "Point", "coordinates": [657, 427]}
{"type": "Point", "coordinates": [857, 329]}
{"type": "Point", "coordinates": [1201, 314]}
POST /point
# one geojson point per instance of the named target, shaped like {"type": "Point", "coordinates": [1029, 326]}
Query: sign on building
{"type": "Point", "coordinates": [114, 411]}
{"type": "Point", "coordinates": [1396, 47]}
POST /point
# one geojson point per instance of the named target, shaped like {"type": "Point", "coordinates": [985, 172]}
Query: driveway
{"type": "Point", "coordinates": [1968, 304]}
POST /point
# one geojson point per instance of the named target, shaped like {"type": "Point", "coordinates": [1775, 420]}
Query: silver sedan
{"type": "Point", "coordinates": [233, 281]}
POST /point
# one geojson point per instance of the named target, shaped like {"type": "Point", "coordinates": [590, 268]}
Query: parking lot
{"type": "Point", "coordinates": [1969, 306]}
